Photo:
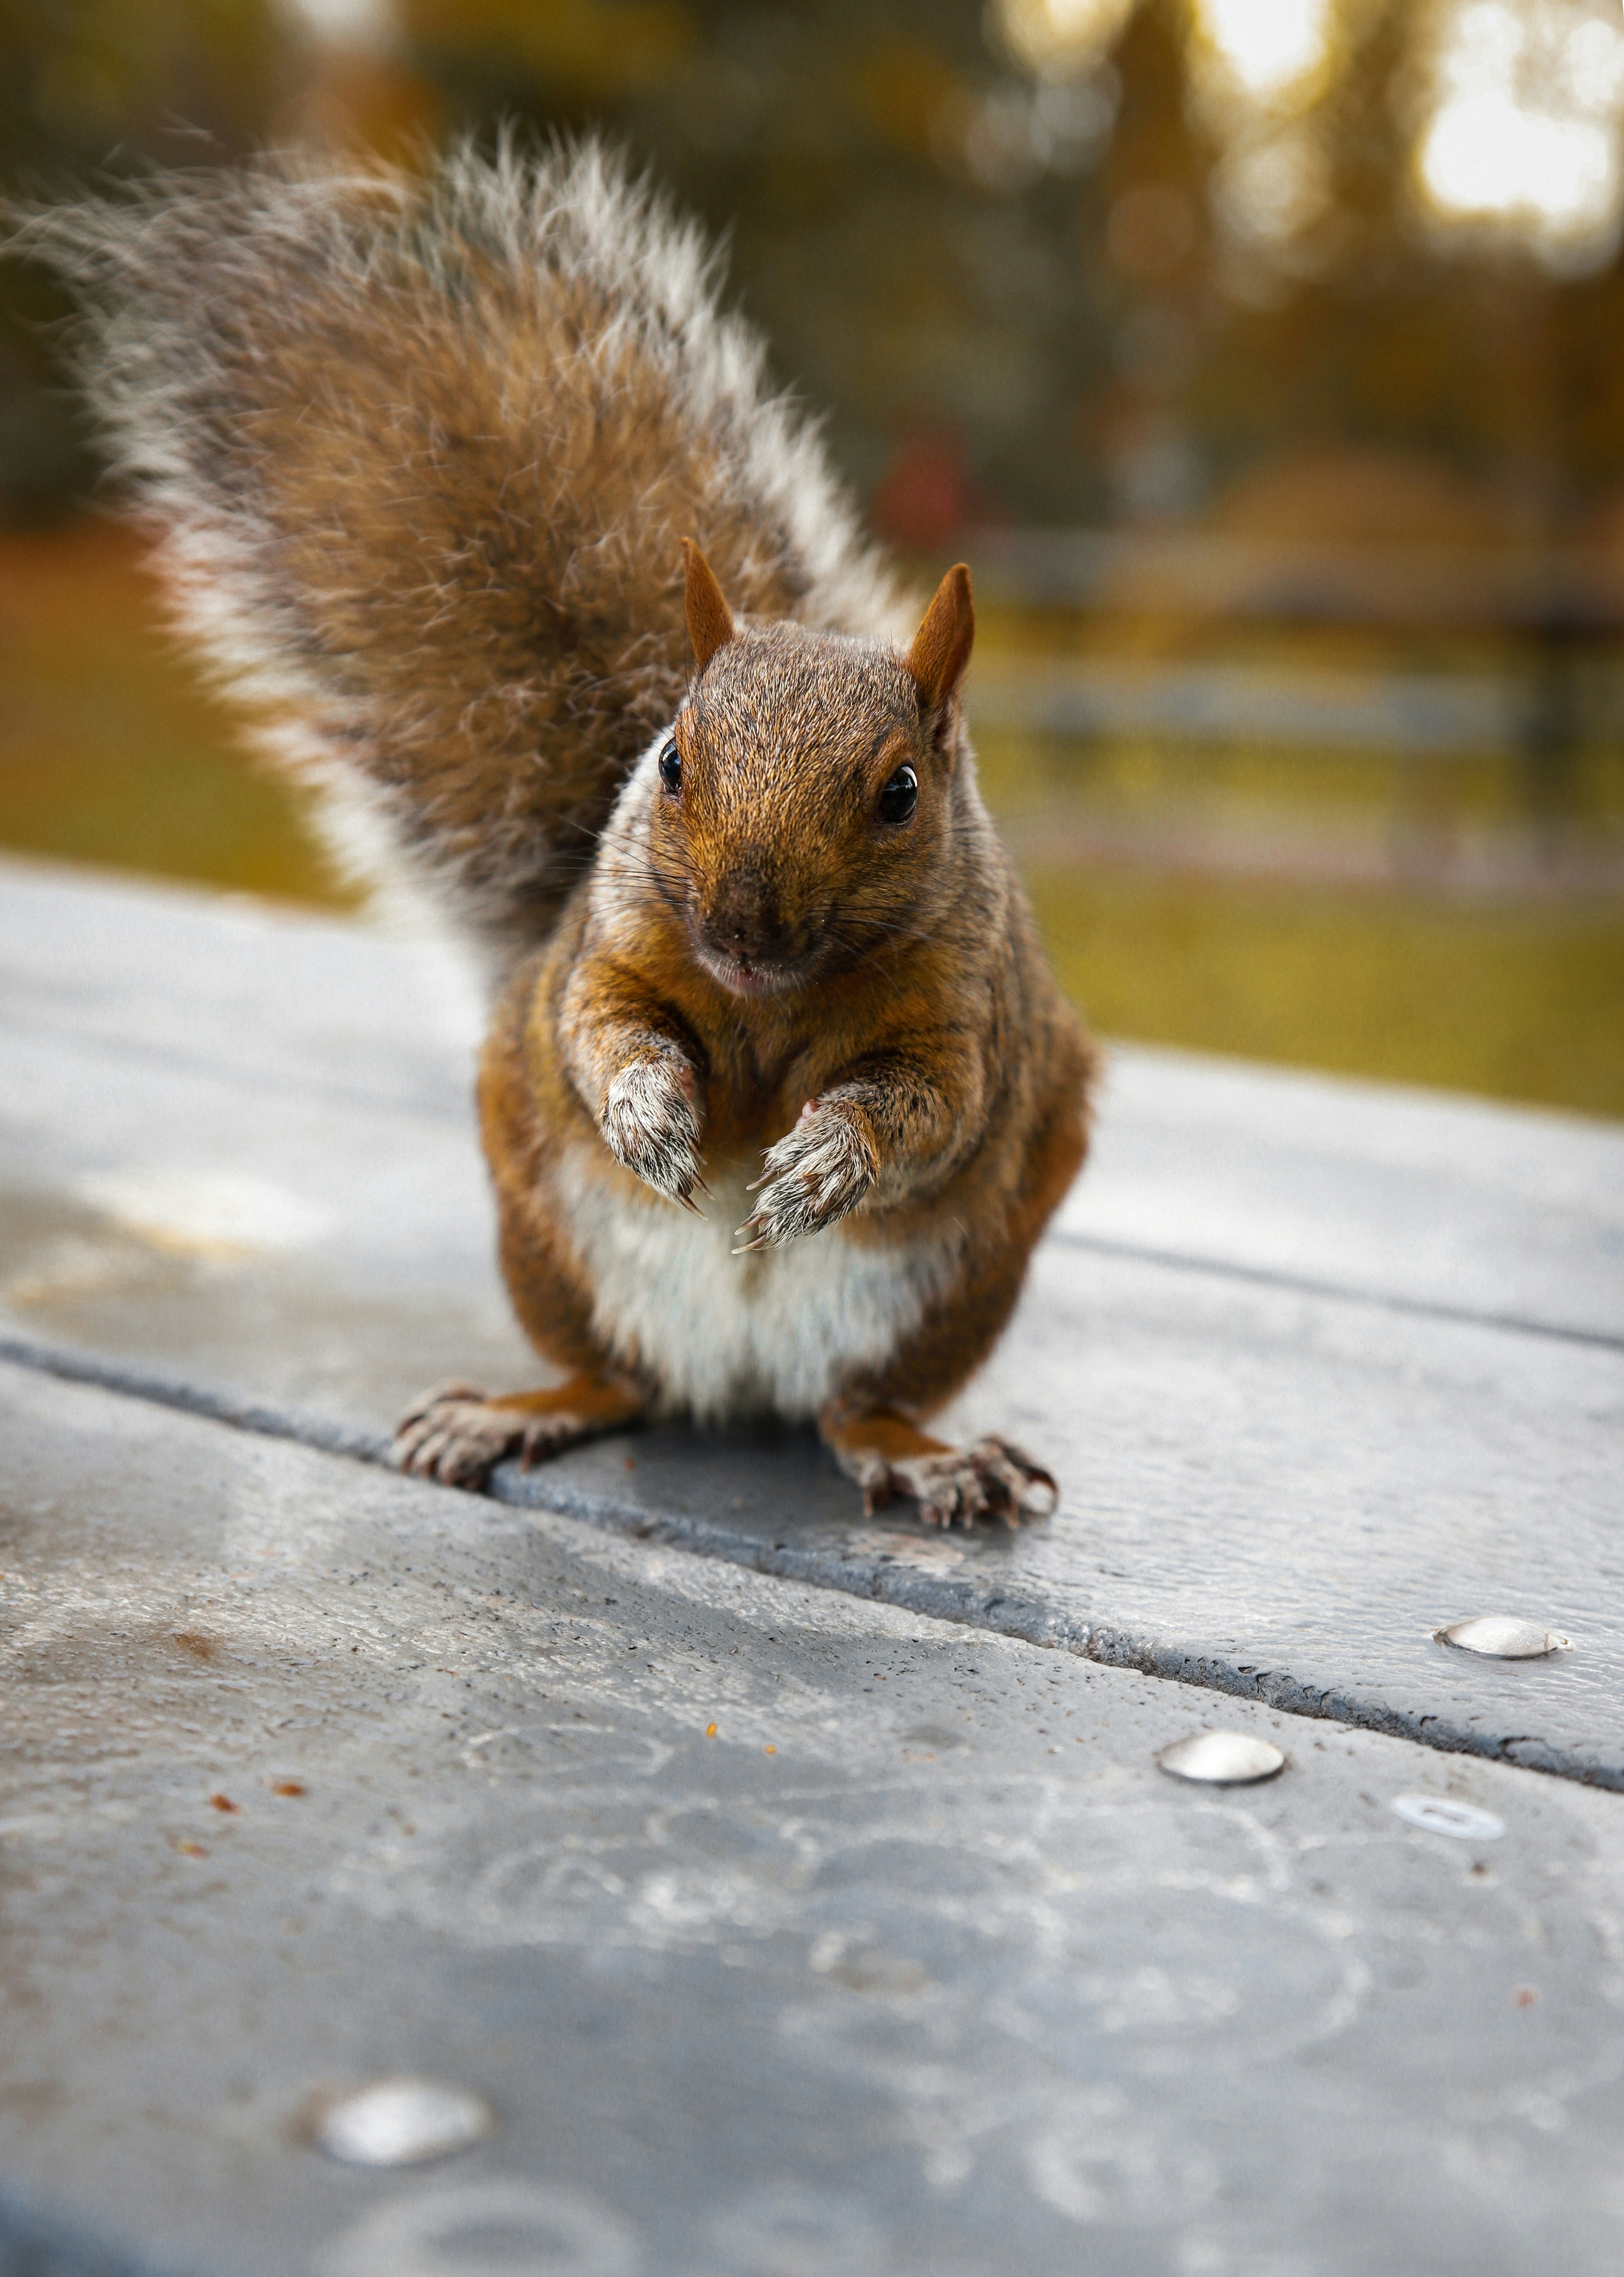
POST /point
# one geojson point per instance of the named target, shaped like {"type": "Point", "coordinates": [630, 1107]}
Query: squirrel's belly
{"type": "Point", "coordinates": [782, 1330]}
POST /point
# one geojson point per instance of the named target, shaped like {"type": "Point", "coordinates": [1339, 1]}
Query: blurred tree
{"type": "Point", "coordinates": [91, 89]}
{"type": "Point", "coordinates": [902, 210]}
{"type": "Point", "coordinates": [1037, 282]}
{"type": "Point", "coordinates": [1346, 311]}
{"type": "Point", "coordinates": [1042, 260]}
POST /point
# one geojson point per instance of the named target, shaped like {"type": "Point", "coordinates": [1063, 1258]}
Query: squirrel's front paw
{"type": "Point", "coordinates": [815, 1175]}
{"type": "Point", "coordinates": [651, 1122]}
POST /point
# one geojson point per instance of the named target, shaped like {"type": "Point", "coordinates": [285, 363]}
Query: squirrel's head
{"type": "Point", "coordinates": [805, 795]}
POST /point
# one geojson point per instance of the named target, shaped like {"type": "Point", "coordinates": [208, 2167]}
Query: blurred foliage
{"type": "Point", "coordinates": [110, 755]}
{"type": "Point", "coordinates": [91, 91]}
{"type": "Point", "coordinates": [1514, 1002]}
{"type": "Point", "coordinates": [1024, 285]}
{"type": "Point", "coordinates": [111, 751]}
{"type": "Point", "coordinates": [1048, 298]}
{"type": "Point", "coordinates": [896, 290]}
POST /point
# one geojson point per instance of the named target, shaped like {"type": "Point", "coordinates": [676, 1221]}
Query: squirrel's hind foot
{"type": "Point", "coordinates": [456, 1435]}
{"type": "Point", "coordinates": [990, 1482]}
{"type": "Point", "coordinates": [891, 1459]}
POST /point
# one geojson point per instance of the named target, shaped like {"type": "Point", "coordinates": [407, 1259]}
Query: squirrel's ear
{"type": "Point", "coordinates": [709, 620]}
{"type": "Point", "coordinates": [942, 646]}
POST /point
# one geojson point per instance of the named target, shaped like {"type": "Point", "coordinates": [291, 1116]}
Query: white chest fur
{"type": "Point", "coordinates": [780, 1332]}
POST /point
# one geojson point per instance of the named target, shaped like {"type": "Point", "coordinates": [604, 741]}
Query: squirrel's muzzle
{"type": "Point", "coordinates": [744, 921]}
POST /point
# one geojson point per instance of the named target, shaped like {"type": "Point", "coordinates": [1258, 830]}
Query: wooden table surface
{"type": "Point", "coordinates": [920, 1962]}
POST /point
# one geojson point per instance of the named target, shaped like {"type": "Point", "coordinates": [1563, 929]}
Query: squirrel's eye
{"type": "Point", "coordinates": [671, 767]}
{"type": "Point", "coordinates": [900, 796]}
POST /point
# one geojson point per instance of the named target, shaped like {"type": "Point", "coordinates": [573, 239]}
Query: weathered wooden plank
{"type": "Point", "coordinates": [1415, 1196]}
{"type": "Point", "coordinates": [918, 1963]}
{"type": "Point", "coordinates": [1269, 1484]}
{"type": "Point", "coordinates": [1412, 1197]}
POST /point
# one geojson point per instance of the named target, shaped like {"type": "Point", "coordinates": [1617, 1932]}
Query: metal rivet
{"type": "Point", "coordinates": [1463, 1820]}
{"type": "Point", "coordinates": [473, 2228]}
{"type": "Point", "coordinates": [399, 2122]}
{"type": "Point", "coordinates": [1502, 1637]}
{"type": "Point", "coordinates": [1221, 1759]}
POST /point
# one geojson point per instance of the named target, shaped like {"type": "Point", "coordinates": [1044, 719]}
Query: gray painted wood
{"type": "Point", "coordinates": [1413, 1198]}
{"type": "Point", "coordinates": [1416, 1197]}
{"type": "Point", "coordinates": [918, 1964]}
{"type": "Point", "coordinates": [1272, 1349]}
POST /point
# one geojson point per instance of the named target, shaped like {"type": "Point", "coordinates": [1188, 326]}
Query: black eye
{"type": "Point", "coordinates": [900, 796]}
{"type": "Point", "coordinates": [671, 767]}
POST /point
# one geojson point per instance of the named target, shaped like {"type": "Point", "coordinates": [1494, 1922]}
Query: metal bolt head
{"type": "Point", "coordinates": [1221, 1759]}
{"type": "Point", "coordinates": [1502, 1637]}
{"type": "Point", "coordinates": [1435, 1814]}
{"type": "Point", "coordinates": [400, 2122]}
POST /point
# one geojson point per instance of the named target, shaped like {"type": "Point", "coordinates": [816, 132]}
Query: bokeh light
{"type": "Point", "coordinates": [1524, 136]}
{"type": "Point", "coordinates": [1268, 192]}
{"type": "Point", "coordinates": [1269, 48]}
{"type": "Point", "coordinates": [1257, 69]}
{"type": "Point", "coordinates": [347, 23]}
{"type": "Point", "coordinates": [1060, 38]}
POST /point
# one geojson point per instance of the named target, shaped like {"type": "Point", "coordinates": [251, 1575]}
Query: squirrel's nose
{"type": "Point", "coordinates": [745, 920]}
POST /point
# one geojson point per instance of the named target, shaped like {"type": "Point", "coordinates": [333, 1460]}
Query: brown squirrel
{"type": "Point", "coordinates": [430, 461]}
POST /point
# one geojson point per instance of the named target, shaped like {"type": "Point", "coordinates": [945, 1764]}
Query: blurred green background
{"type": "Point", "coordinates": [1260, 356]}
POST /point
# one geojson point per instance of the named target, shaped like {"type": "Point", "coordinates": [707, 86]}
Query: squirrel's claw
{"type": "Point", "coordinates": [815, 1174]}
{"type": "Point", "coordinates": [989, 1483]}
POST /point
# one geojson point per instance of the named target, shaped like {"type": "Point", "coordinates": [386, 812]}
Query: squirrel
{"type": "Point", "coordinates": [470, 487]}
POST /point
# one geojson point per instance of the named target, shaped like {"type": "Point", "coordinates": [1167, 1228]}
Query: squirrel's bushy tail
{"type": "Point", "coordinates": [420, 450]}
